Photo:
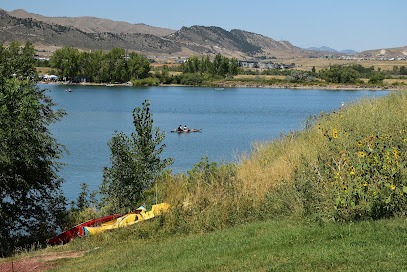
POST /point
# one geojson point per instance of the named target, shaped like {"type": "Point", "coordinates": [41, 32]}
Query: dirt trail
{"type": "Point", "coordinates": [37, 263]}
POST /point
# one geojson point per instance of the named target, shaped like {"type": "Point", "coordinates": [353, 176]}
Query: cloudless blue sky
{"type": "Point", "coordinates": [340, 24]}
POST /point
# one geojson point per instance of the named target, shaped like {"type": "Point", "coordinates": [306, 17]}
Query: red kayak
{"type": "Point", "coordinates": [76, 231]}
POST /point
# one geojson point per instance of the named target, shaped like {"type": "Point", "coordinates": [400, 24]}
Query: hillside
{"type": "Point", "coordinates": [94, 25]}
{"type": "Point", "coordinates": [397, 51]}
{"type": "Point", "coordinates": [44, 34]}
{"type": "Point", "coordinates": [90, 33]}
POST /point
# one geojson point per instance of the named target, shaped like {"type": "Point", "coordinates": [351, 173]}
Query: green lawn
{"type": "Point", "coordinates": [274, 245]}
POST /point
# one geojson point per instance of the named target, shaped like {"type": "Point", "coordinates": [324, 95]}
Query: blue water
{"type": "Point", "coordinates": [231, 120]}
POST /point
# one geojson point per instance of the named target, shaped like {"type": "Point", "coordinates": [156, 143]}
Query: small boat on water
{"type": "Point", "coordinates": [186, 130]}
{"type": "Point", "coordinates": [76, 231]}
{"type": "Point", "coordinates": [109, 85]}
{"type": "Point", "coordinates": [68, 90]}
{"type": "Point", "coordinates": [219, 89]}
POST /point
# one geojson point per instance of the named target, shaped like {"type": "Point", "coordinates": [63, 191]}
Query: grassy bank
{"type": "Point", "coordinates": [273, 245]}
{"type": "Point", "coordinates": [332, 196]}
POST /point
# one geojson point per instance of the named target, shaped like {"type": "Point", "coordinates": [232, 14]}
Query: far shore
{"type": "Point", "coordinates": [253, 85]}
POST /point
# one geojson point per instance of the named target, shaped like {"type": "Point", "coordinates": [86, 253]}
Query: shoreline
{"type": "Point", "coordinates": [253, 85]}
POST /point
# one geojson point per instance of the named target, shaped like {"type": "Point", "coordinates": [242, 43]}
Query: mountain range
{"type": "Point", "coordinates": [91, 33]}
{"type": "Point", "coordinates": [329, 49]}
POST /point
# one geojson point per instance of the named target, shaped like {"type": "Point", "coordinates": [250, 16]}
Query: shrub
{"type": "Point", "coordinates": [149, 81]}
{"type": "Point", "coordinates": [191, 79]}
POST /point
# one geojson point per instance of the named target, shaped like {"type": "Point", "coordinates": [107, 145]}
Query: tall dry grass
{"type": "Point", "coordinates": [272, 180]}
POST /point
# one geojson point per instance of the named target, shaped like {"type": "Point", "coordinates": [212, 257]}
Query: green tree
{"type": "Point", "coordinates": [299, 76]}
{"type": "Point", "coordinates": [17, 62]}
{"type": "Point", "coordinates": [67, 61]}
{"type": "Point", "coordinates": [138, 66]}
{"type": "Point", "coordinates": [339, 74]}
{"type": "Point", "coordinates": [135, 163]}
{"type": "Point", "coordinates": [377, 79]}
{"type": "Point", "coordinates": [32, 204]}
{"type": "Point", "coordinates": [233, 67]}
{"type": "Point", "coordinates": [217, 65]}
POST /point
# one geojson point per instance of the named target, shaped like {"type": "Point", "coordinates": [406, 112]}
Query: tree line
{"type": "Point", "coordinates": [110, 67]}
{"type": "Point", "coordinates": [220, 66]}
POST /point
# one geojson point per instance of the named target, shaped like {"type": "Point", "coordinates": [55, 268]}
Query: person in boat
{"type": "Point", "coordinates": [180, 128]}
{"type": "Point", "coordinates": [186, 128]}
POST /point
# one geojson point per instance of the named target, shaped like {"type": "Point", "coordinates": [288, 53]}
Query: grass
{"type": "Point", "coordinates": [270, 213]}
{"type": "Point", "coordinates": [275, 245]}
{"type": "Point", "coordinates": [320, 63]}
{"type": "Point", "coordinates": [264, 77]}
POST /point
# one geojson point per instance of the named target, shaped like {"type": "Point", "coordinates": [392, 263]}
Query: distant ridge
{"type": "Point", "coordinates": [329, 49]}
{"type": "Point", "coordinates": [188, 41]}
{"type": "Point", "coordinates": [94, 25]}
{"type": "Point", "coordinates": [91, 33]}
{"type": "Point", "coordinates": [396, 51]}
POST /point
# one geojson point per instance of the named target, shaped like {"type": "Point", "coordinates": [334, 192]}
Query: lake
{"type": "Point", "coordinates": [231, 120]}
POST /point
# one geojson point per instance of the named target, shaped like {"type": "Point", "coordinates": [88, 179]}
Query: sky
{"type": "Point", "coordinates": [339, 24]}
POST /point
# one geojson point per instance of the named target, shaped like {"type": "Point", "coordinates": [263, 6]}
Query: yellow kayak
{"type": "Point", "coordinates": [129, 219]}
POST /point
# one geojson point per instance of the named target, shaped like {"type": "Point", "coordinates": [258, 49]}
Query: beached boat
{"type": "Point", "coordinates": [77, 231]}
{"type": "Point", "coordinates": [186, 130]}
{"type": "Point", "coordinates": [129, 219]}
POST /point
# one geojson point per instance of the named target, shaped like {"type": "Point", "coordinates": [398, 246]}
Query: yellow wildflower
{"type": "Point", "coordinates": [335, 130]}
{"type": "Point", "coordinates": [360, 143]}
{"type": "Point", "coordinates": [362, 154]}
{"type": "Point", "coordinates": [345, 188]}
{"type": "Point", "coordinates": [365, 183]}
{"type": "Point", "coordinates": [393, 186]}
{"type": "Point", "coordinates": [335, 135]}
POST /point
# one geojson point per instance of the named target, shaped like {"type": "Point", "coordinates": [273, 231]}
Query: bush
{"type": "Point", "coordinates": [300, 76]}
{"type": "Point", "coordinates": [191, 79]}
{"type": "Point", "coordinates": [340, 74]}
{"type": "Point", "coordinates": [377, 79]}
{"type": "Point", "coordinates": [149, 81]}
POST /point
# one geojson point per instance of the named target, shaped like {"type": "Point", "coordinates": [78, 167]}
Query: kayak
{"type": "Point", "coordinates": [128, 219]}
{"type": "Point", "coordinates": [189, 130]}
{"type": "Point", "coordinates": [76, 231]}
